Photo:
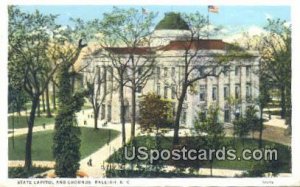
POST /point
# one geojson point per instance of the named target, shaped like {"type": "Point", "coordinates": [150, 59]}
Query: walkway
{"type": "Point", "coordinates": [100, 156]}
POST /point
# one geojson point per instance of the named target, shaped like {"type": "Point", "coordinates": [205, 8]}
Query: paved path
{"type": "Point", "coordinates": [20, 163]}
{"type": "Point", "coordinates": [276, 121]}
{"type": "Point", "coordinates": [100, 156]}
{"type": "Point", "coordinates": [22, 131]}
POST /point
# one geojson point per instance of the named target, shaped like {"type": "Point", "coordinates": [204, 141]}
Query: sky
{"type": "Point", "coordinates": [233, 19]}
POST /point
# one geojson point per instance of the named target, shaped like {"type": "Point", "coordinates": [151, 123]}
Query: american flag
{"type": "Point", "coordinates": [214, 9]}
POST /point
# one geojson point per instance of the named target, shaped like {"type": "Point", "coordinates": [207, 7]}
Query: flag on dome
{"type": "Point", "coordinates": [214, 9]}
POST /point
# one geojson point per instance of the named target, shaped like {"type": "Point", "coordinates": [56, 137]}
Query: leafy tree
{"type": "Point", "coordinates": [263, 100]}
{"type": "Point", "coordinates": [213, 129]}
{"type": "Point", "coordinates": [196, 65]}
{"type": "Point", "coordinates": [66, 141]}
{"type": "Point", "coordinates": [127, 30]}
{"type": "Point", "coordinates": [17, 98]}
{"type": "Point", "coordinates": [241, 128]}
{"type": "Point", "coordinates": [29, 37]}
{"type": "Point", "coordinates": [131, 28]}
{"type": "Point", "coordinates": [154, 112]}
{"type": "Point", "coordinates": [275, 49]}
{"type": "Point", "coordinates": [252, 119]}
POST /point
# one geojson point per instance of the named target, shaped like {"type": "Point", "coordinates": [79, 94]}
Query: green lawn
{"type": "Point", "coordinates": [21, 121]}
{"type": "Point", "coordinates": [91, 140]}
{"type": "Point", "coordinates": [86, 105]}
{"type": "Point", "coordinates": [18, 172]}
{"type": "Point", "coordinates": [284, 154]}
{"type": "Point", "coordinates": [274, 112]}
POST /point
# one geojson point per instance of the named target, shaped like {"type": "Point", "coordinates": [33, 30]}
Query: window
{"type": "Point", "coordinates": [158, 72]}
{"type": "Point", "coordinates": [139, 89]}
{"type": "Point", "coordinates": [173, 71]}
{"type": "Point", "coordinates": [166, 91]}
{"type": "Point", "coordinates": [104, 77]}
{"type": "Point", "coordinates": [102, 111]}
{"type": "Point", "coordinates": [214, 71]}
{"type": "Point", "coordinates": [158, 89]}
{"type": "Point", "coordinates": [165, 71]}
{"type": "Point", "coordinates": [203, 115]}
{"type": "Point", "coordinates": [99, 74]}
{"type": "Point", "coordinates": [183, 116]}
{"type": "Point", "coordinates": [173, 108]}
{"type": "Point", "coordinates": [226, 92]}
{"type": "Point", "coordinates": [214, 93]}
{"type": "Point", "coordinates": [173, 92]}
{"type": "Point", "coordinates": [108, 112]}
{"type": "Point", "coordinates": [110, 70]}
{"type": "Point", "coordinates": [248, 91]}
{"type": "Point", "coordinates": [237, 91]}
{"type": "Point", "coordinates": [202, 93]}
{"type": "Point", "coordinates": [200, 70]}
{"type": "Point", "coordinates": [248, 71]}
{"type": "Point", "coordinates": [237, 70]}
{"type": "Point", "coordinates": [227, 115]}
{"type": "Point", "coordinates": [104, 73]}
{"type": "Point", "coordinates": [226, 71]}
{"type": "Point", "coordinates": [140, 70]}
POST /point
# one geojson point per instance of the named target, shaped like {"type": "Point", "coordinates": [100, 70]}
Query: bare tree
{"type": "Point", "coordinates": [194, 62]}
{"type": "Point", "coordinates": [97, 92]}
{"type": "Point", "coordinates": [125, 38]}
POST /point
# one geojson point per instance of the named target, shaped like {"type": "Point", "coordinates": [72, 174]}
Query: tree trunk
{"type": "Point", "coordinates": [43, 102]}
{"type": "Point", "coordinates": [282, 102]}
{"type": "Point", "coordinates": [133, 112]}
{"type": "Point", "coordinates": [96, 114]}
{"type": "Point", "coordinates": [39, 108]}
{"type": "Point", "coordinates": [178, 115]}
{"type": "Point", "coordinates": [73, 79]}
{"type": "Point", "coordinates": [211, 166]}
{"type": "Point", "coordinates": [48, 102]}
{"type": "Point", "coordinates": [122, 109]}
{"type": "Point", "coordinates": [28, 161]}
{"type": "Point", "coordinates": [53, 95]}
{"type": "Point", "coordinates": [261, 128]}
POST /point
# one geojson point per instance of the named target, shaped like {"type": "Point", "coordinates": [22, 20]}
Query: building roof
{"type": "Point", "coordinates": [130, 50]}
{"type": "Point", "coordinates": [172, 21]}
{"type": "Point", "coordinates": [201, 44]}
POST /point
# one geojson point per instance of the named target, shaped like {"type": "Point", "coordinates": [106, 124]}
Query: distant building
{"type": "Point", "coordinates": [240, 83]}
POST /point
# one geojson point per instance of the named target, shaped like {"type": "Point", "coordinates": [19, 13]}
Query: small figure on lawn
{"type": "Point", "coordinates": [90, 162]}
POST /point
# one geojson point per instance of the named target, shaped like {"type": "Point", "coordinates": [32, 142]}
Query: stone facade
{"type": "Point", "coordinates": [240, 82]}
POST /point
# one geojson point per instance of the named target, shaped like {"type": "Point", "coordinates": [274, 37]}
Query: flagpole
{"type": "Point", "coordinates": [207, 23]}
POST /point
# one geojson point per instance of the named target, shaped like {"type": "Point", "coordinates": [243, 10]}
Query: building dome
{"type": "Point", "coordinates": [172, 21]}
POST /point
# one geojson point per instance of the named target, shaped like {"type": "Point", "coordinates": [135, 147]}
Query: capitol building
{"type": "Point", "coordinates": [231, 87]}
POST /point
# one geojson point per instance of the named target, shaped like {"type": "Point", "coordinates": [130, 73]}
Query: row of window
{"type": "Point", "coordinates": [103, 70]}
{"type": "Point", "coordinates": [203, 89]}
{"type": "Point", "coordinates": [166, 88]}
{"type": "Point", "coordinates": [226, 92]}
{"type": "Point", "coordinates": [201, 70]}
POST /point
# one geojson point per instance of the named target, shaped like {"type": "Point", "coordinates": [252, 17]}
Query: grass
{"type": "Point", "coordinates": [91, 140]}
{"type": "Point", "coordinates": [274, 112]}
{"type": "Point", "coordinates": [284, 154]}
{"type": "Point", "coordinates": [18, 172]}
{"type": "Point", "coordinates": [21, 121]}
